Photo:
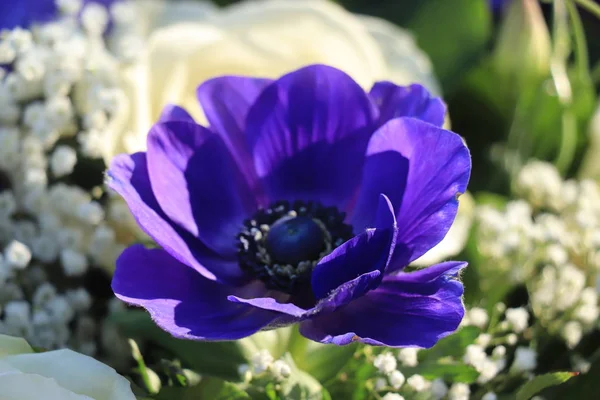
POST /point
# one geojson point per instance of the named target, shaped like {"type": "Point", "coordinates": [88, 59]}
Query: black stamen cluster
{"type": "Point", "coordinates": [254, 256]}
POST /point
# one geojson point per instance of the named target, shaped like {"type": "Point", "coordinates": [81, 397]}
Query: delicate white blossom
{"type": "Point", "coordinates": [385, 363]}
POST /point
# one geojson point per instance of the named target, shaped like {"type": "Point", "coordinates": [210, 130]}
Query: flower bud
{"type": "Point", "coordinates": [522, 52]}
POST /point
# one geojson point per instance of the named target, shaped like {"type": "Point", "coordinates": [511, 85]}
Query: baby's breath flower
{"type": "Point", "coordinates": [380, 383]}
{"type": "Point", "coordinates": [518, 318]}
{"type": "Point", "coordinates": [525, 359]}
{"type": "Point", "coordinates": [478, 317]}
{"type": "Point", "coordinates": [396, 379]}
{"type": "Point", "coordinates": [280, 369]}
{"type": "Point", "coordinates": [417, 383]}
{"type": "Point", "coordinates": [572, 332]}
{"type": "Point", "coordinates": [439, 389]}
{"type": "Point", "coordinates": [459, 391]}
{"type": "Point", "coordinates": [17, 255]}
{"type": "Point", "coordinates": [385, 363]}
{"type": "Point", "coordinates": [408, 356]}
{"type": "Point", "coordinates": [261, 361]}
{"type": "Point", "coordinates": [392, 396]}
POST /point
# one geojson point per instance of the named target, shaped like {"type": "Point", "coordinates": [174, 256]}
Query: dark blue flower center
{"type": "Point", "coordinates": [281, 244]}
{"type": "Point", "coordinates": [294, 239]}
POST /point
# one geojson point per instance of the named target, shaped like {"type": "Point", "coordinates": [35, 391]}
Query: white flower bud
{"type": "Point", "coordinates": [69, 7]}
{"type": "Point", "coordinates": [512, 339]}
{"type": "Point", "coordinates": [17, 255]}
{"type": "Point", "coordinates": [245, 372]}
{"type": "Point", "coordinates": [392, 396]}
{"type": "Point", "coordinates": [63, 161]}
{"type": "Point", "coordinates": [572, 332]}
{"type": "Point", "coordinates": [408, 356]}
{"type": "Point", "coordinates": [396, 379]}
{"type": "Point", "coordinates": [380, 383]}
{"type": "Point", "coordinates": [489, 396]}
{"type": "Point", "coordinates": [73, 262]}
{"type": "Point", "coordinates": [483, 339]}
{"type": "Point", "coordinates": [94, 18]}
{"type": "Point", "coordinates": [417, 383]}
{"type": "Point", "coordinates": [439, 389]}
{"type": "Point", "coordinates": [474, 355]}
{"type": "Point", "coordinates": [499, 352]}
{"type": "Point", "coordinates": [518, 318]}
{"type": "Point", "coordinates": [478, 317]}
{"type": "Point", "coordinates": [385, 363]}
{"type": "Point", "coordinates": [459, 391]}
{"type": "Point", "coordinates": [525, 359]}
{"type": "Point", "coordinates": [261, 361]}
{"type": "Point", "coordinates": [280, 369]}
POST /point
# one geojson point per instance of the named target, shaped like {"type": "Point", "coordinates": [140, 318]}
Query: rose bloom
{"type": "Point", "coordinates": [56, 375]}
{"type": "Point", "coordinates": [190, 42]}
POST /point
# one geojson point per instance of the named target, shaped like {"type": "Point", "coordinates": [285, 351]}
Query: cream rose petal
{"type": "Point", "coordinates": [19, 386]}
{"type": "Point", "coordinates": [405, 62]}
{"type": "Point", "coordinates": [259, 38]}
{"type": "Point", "coordinates": [74, 372]}
{"type": "Point", "coordinates": [266, 39]}
{"type": "Point", "coordinates": [155, 14]}
{"type": "Point", "coordinates": [10, 345]}
{"type": "Point", "coordinates": [300, 33]}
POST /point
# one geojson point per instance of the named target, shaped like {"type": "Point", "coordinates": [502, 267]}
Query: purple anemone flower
{"type": "Point", "coordinates": [302, 202]}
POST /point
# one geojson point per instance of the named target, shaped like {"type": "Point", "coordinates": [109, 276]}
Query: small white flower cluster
{"type": "Point", "coordinates": [397, 386]}
{"type": "Point", "coordinates": [499, 335]}
{"type": "Point", "coordinates": [60, 100]}
{"type": "Point", "coordinates": [44, 320]}
{"type": "Point", "coordinates": [264, 367]}
{"type": "Point", "coordinates": [549, 240]}
{"type": "Point", "coordinates": [488, 367]}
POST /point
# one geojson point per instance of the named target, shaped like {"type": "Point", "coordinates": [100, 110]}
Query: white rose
{"type": "Point", "coordinates": [56, 375]}
{"type": "Point", "coordinates": [189, 43]}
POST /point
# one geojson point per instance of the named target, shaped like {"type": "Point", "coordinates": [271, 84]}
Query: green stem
{"type": "Point", "coordinates": [596, 74]}
{"type": "Point", "coordinates": [590, 6]}
{"type": "Point", "coordinates": [581, 53]}
{"type": "Point", "coordinates": [562, 84]}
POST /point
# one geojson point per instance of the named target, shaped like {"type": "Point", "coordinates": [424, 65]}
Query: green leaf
{"type": "Point", "coordinates": [453, 47]}
{"type": "Point", "coordinates": [209, 388]}
{"type": "Point", "coordinates": [541, 382]}
{"type": "Point", "coordinates": [325, 361]}
{"type": "Point", "coordinates": [451, 346]}
{"type": "Point", "coordinates": [539, 127]}
{"type": "Point", "coordinates": [219, 359]}
{"type": "Point", "coordinates": [583, 386]}
{"type": "Point", "coordinates": [491, 199]}
{"type": "Point", "coordinates": [451, 371]}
